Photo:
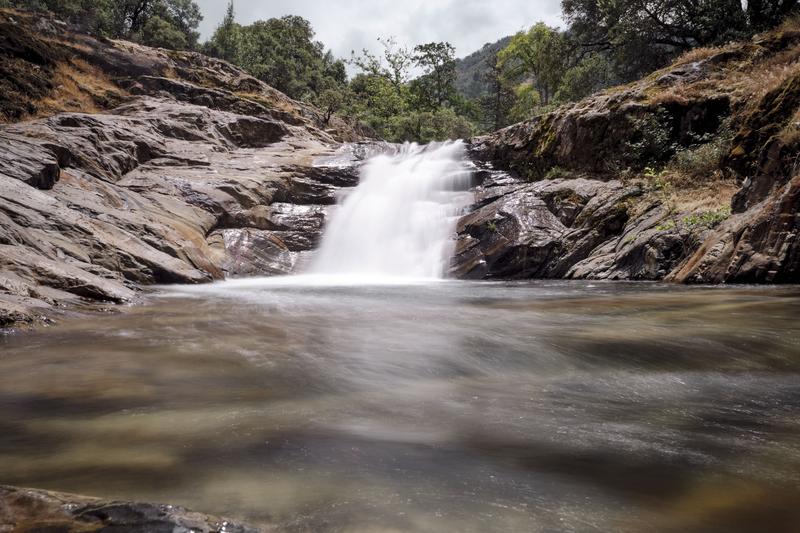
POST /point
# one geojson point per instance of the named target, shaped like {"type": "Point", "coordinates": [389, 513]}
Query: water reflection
{"type": "Point", "coordinates": [444, 406]}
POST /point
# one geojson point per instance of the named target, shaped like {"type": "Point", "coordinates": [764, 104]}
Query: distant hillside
{"type": "Point", "coordinates": [471, 71]}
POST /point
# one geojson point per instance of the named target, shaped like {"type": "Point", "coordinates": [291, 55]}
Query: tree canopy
{"type": "Point", "coordinates": [642, 35]}
{"type": "Point", "coordinates": [281, 52]}
{"type": "Point", "coordinates": [411, 92]}
{"type": "Point", "coordinates": [161, 23]}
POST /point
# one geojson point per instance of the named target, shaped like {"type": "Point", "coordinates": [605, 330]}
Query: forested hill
{"type": "Point", "coordinates": [472, 71]}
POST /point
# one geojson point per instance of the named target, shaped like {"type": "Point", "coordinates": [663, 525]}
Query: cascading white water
{"type": "Point", "coordinates": [399, 221]}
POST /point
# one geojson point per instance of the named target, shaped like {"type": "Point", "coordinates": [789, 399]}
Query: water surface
{"type": "Point", "coordinates": [422, 406]}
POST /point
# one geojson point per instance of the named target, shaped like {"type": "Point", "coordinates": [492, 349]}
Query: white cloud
{"type": "Point", "coordinates": [348, 25]}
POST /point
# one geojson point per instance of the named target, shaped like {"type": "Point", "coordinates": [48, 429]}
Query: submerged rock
{"type": "Point", "coordinates": [32, 511]}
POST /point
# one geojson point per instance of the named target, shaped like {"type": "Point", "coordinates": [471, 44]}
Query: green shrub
{"type": "Point", "coordinates": [652, 142]}
{"type": "Point", "coordinates": [705, 158]}
{"type": "Point", "coordinates": [709, 219]}
{"type": "Point", "coordinates": [666, 226]}
{"type": "Point", "coordinates": [558, 173]}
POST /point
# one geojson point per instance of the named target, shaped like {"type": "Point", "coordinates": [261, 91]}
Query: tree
{"type": "Point", "coordinates": [765, 14]}
{"type": "Point", "coordinates": [540, 55]}
{"type": "Point", "coordinates": [526, 102]}
{"type": "Point", "coordinates": [160, 33]}
{"type": "Point", "coordinates": [424, 109]}
{"type": "Point", "coordinates": [592, 73]}
{"type": "Point", "coordinates": [166, 23]}
{"type": "Point", "coordinates": [642, 35]}
{"type": "Point", "coordinates": [281, 52]}
{"type": "Point", "coordinates": [498, 103]}
{"type": "Point", "coordinates": [398, 62]}
{"type": "Point", "coordinates": [330, 101]}
{"type": "Point", "coordinates": [378, 97]}
{"type": "Point", "coordinates": [428, 126]}
{"type": "Point", "coordinates": [436, 86]}
{"type": "Point", "coordinates": [379, 91]}
{"type": "Point", "coordinates": [184, 15]}
{"type": "Point", "coordinates": [224, 44]}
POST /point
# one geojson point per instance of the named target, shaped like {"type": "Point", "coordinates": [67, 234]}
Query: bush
{"type": "Point", "coordinates": [705, 159]}
{"type": "Point", "coordinates": [159, 33]}
{"type": "Point", "coordinates": [558, 173]}
{"type": "Point", "coordinates": [709, 219]}
{"type": "Point", "coordinates": [653, 143]}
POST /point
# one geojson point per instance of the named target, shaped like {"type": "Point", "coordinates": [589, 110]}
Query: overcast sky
{"type": "Point", "coordinates": [345, 25]}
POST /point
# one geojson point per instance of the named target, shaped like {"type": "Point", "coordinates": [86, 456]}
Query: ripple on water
{"type": "Point", "coordinates": [427, 406]}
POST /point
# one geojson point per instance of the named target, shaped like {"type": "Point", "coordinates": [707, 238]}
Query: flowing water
{"type": "Point", "coordinates": [318, 404]}
{"type": "Point", "coordinates": [400, 219]}
{"type": "Point", "coordinates": [449, 406]}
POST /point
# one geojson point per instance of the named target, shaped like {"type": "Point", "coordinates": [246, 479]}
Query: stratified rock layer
{"type": "Point", "coordinates": [197, 172]}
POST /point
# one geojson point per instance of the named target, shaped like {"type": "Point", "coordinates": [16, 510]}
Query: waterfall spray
{"type": "Point", "coordinates": [400, 220]}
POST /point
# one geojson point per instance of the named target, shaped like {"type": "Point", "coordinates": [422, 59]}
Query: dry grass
{"type": "Point", "coordinates": [752, 84]}
{"type": "Point", "coordinates": [792, 23]}
{"type": "Point", "coordinates": [78, 86]}
{"type": "Point", "coordinates": [699, 54]}
{"type": "Point", "coordinates": [747, 79]}
{"type": "Point", "coordinates": [684, 93]}
{"type": "Point", "coordinates": [282, 104]}
{"type": "Point", "coordinates": [703, 197]}
{"type": "Point", "coordinates": [790, 135]}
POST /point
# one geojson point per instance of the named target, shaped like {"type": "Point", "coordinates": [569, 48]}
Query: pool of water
{"type": "Point", "coordinates": [314, 405]}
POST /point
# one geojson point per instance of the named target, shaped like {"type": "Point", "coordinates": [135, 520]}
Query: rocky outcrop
{"type": "Point", "coordinates": [582, 198]}
{"type": "Point", "coordinates": [609, 132]}
{"type": "Point", "coordinates": [759, 244]}
{"type": "Point", "coordinates": [29, 511]}
{"type": "Point", "coordinates": [565, 228]}
{"type": "Point", "coordinates": [201, 172]}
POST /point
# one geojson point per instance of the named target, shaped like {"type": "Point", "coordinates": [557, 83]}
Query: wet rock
{"type": "Point", "coordinates": [201, 172]}
{"type": "Point", "coordinates": [615, 233]}
{"type": "Point", "coordinates": [644, 251]}
{"type": "Point", "coordinates": [758, 246]}
{"type": "Point", "coordinates": [28, 160]}
{"type": "Point", "coordinates": [19, 311]}
{"type": "Point", "coordinates": [514, 236]}
{"type": "Point", "coordinates": [60, 275]}
{"type": "Point", "coordinates": [30, 511]}
{"type": "Point", "coordinates": [574, 228]}
{"type": "Point", "coordinates": [249, 252]}
{"type": "Point", "coordinates": [599, 135]}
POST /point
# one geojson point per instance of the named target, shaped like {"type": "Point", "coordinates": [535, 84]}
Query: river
{"type": "Point", "coordinates": [422, 405]}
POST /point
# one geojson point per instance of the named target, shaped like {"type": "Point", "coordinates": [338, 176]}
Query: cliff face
{"type": "Point", "coordinates": [689, 175]}
{"type": "Point", "coordinates": [138, 166]}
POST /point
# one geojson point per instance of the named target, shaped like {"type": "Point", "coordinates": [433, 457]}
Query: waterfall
{"type": "Point", "coordinates": [400, 220]}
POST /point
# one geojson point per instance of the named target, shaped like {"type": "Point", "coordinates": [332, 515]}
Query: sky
{"type": "Point", "coordinates": [345, 25]}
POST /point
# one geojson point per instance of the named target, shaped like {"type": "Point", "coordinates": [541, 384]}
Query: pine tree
{"type": "Point", "coordinates": [225, 36]}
